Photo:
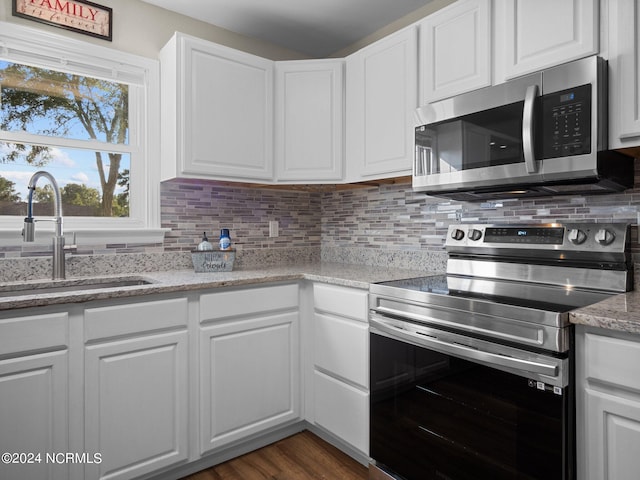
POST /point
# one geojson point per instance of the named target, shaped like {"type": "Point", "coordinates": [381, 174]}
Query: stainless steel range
{"type": "Point", "coordinates": [472, 371]}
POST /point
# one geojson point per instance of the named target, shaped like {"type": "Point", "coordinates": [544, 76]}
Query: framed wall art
{"type": "Point", "coordinates": [77, 15]}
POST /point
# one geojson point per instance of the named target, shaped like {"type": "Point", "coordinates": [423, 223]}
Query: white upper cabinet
{"type": "Point", "coordinates": [455, 50]}
{"type": "Point", "coordinates": [217, 111]}
{"type": "Point", "coordinates": [309, 120]}
{"type": "Point", "coordinates": [624, 73]}
{"type": "Point", "coordinates": [531, 36]}
{"type": "Point", "coordinates": [382, 96]}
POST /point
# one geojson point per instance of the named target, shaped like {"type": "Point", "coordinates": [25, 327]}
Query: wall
{"type": "Point", "coordinates": [389, 224]}
{"type": "Point", "coordinates": [158, 25]}
{"type": "Point", "coordinates": [419, 14]}
{"type": "Point", "coordinates": [191, 207]}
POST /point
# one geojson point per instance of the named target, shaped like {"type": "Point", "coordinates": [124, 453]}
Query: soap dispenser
{"type": "Point", "coordinates": [205, 244]}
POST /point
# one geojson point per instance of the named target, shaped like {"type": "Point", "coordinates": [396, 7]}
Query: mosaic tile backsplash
{"type": "Point", "coordinates": [373, 225]}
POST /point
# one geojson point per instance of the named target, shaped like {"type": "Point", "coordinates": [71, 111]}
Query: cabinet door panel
{"type": "Point", "coordinates": [455, 46]}
{"type": "Point", "coordinates": [613, 364]}
{"type": "Point", "coordinates": [544, 33]}
{"type": "Point", "coordinates": [233, 303]}
{"type": "Point", "coordinates": [33, 332]}
{"type": "Point", "coordinates": [249, 378]}
{"type": "Point", "coordinates": [382, 95]}
{"type": "Point", "coordinates": [343, 410]}
{"type": "Point", "coordinates": [342, 301]}
{"type": "Point", "coordinates": [33, 413]}
{"type": "Point", "coordinates": [309, 120]}
{"type": "Point", "coordinates": [624, 68]}
{"type": "Point", "coordinates": [227, 96]}
{"type": "Point", "coordinates": [136, 404]}
{"type": "Point", "coordinates": [612, 436]}
{"type": "Point", "coordinates": [134, 318]}
{"type": "Point", "coordinates": [341, 347]}
{"type": "Point", "coordinates": [217, 107]}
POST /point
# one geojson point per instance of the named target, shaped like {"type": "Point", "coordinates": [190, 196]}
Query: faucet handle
{"type": "Point", "coordinates": [29, 229]}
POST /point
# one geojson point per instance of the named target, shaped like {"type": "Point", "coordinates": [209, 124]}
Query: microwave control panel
{"type": "Point", "coordinates": [565, 123]}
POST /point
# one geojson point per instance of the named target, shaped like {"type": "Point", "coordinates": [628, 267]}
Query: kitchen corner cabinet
{"type": "Point", "coordinates": [624, 73]}
{"type": "Point", "coordinates": [381, 98]}
{"type": "Point", "coordinates": [309, 120]}
{"type": "Point", "coordinates": [217, 112]}
{"type": "Point", "coordinates": [531, 36]}
{"type": "Point", "coordinates": [249, 363]}
{"type": "Point", "coordinates": [341, 363]}
{"type": "Point", "coordinates": [608, 404]}
{"type": "Point", "coordinates": [455, 50]}
{"type": "Point", "coordinates": [135, 387]}
{"type": "Point", "coordinates": [34, 394]}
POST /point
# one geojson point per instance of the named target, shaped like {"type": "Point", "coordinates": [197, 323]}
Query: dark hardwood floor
{"type": "Point", "coordinates": [303, 456]}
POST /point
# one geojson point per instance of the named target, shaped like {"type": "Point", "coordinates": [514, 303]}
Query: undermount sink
{"type": "Point", "coordinates": [60, 286]}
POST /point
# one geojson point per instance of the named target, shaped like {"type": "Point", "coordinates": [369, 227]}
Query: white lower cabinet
{"type": "Point", "coordinates": [136, 388]}
{"type": "Point", "coordinates": [249, 363]}
{"type": "Point", "coordinates": [341, 364]}
{"type": "Point", "coordinates": [33, 395]}
{"type": "Point", "coordinates": [112, 381]}
{"type": "Point", "coordinates": [343, 410]}
{"type": "Point", "coordinates": [608, 405]}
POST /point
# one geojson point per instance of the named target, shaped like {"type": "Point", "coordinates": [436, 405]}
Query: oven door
{"type": "Point", "coordinates": [445, 406]}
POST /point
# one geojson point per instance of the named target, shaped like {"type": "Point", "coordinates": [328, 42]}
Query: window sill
{"type": "Point", "coordinates": [94, 236]}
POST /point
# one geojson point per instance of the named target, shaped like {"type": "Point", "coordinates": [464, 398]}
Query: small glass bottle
{"type": "Point", "coordinates": [225, 240]}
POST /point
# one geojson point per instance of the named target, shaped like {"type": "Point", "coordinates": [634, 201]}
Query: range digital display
{"type": "Point", "coordinates": [530, 235]}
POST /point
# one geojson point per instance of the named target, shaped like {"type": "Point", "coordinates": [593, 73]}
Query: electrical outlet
{"type": "Point", "coordinates": [273, 228]}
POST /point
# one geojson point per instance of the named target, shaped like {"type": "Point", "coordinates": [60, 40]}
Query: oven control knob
{"type": "Point", "coordinates": [577, 236]}
{"type": "Point", "coordinates": [604, 236]}
{"type": "Point", "coordinates": [457, 234]}
{"type": "Point", "coordinates": [475, 234]}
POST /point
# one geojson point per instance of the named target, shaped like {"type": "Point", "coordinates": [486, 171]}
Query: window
{"type": "Point", "coordinates": [85, 114]}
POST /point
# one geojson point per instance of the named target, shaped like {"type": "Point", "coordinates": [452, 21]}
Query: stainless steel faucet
{"type": "Point", "coordinates": [28, 233]}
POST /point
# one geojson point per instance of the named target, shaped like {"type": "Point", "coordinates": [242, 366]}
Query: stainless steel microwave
{"type": "Point", "coordinates": [540, 134]}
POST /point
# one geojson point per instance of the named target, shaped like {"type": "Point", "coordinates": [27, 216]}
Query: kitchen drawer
{"type": "Point", "coordinates": [343, 301]}
{"type": "Point", "coordinates": [34, 332]}
{"type": "Point", "coordinates": [613, 360]}
{"type": "Point", "coordinates": [247, 302]}
{"type": "Point", "coordinates": [134, 318]}
{"type": "Point", "coordinates": [343, 410]}
{"type": "Point", "coordinates": [341, 347]}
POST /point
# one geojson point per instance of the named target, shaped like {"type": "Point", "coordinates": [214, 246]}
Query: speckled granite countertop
{"type": "Point", "coordinates": [620, 312]}
{"type": "Point", "coordinates": [358, 276]}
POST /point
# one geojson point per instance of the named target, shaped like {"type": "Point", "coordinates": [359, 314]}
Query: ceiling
{"type": "Point", "coordinates": [316, 28]}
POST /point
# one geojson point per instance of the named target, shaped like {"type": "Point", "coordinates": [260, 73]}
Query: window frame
{"type": "Point", "coordinates": [19, 44]}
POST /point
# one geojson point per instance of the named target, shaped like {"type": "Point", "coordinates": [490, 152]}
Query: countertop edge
{"type": "Point", "coordinates": [620, 312]}
{"type": "Point", "coordinates": [173, 281]}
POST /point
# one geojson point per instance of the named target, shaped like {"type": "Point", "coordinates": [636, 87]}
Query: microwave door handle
{"type": "Point", "coordinates": [423, 161]}
{"type": "Point", "coordinates": [527, 128]}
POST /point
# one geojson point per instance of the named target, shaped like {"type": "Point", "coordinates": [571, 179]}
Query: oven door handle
{"type": "Point", "coordinates": [462, 351]}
